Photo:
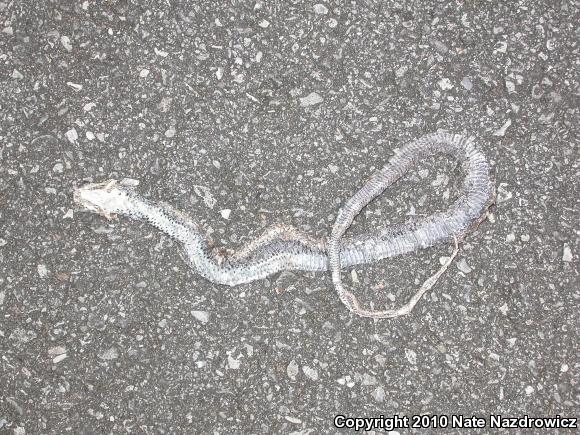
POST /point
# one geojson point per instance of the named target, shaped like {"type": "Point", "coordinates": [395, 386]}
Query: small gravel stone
{"type": "Point", "coordinates": [200, 316]}
{"type": "Point", "coordinates": [42, 270]}
{"type": "Point", "coordinates": [77, 87]}
{"type": "Point", "coordinates": [66, 43]}
{"type": "Point", "coordinates": [57, 350]}
{"type": "Point", "coordinates": [292, 370]}
{"type": "Point", "coordinates": [311, 99]}
{"type": "Point", "coordinates": [567, 254]}
{"type": "Point", "coordinates": [59, 358]}
{"type": "Point", "coordinates": [463, 266]}
{"type": "Point", "coordinates": [320, 9]}
{"type": "Point", "coordinates": [502, 130]}
{"type": "Point", "coordinates": [72, 135]}
{"type": "Point", "coordinates": [411, 356]}
{"type": "Point", "coordinates": [445, 84]}
{"type": "Point", "coordinates": [466, 83]}
{"type": "Point", "coordinates": [310, 373]}
{"type": "Point", "coordinates": [233, 363]}
{"type": "Point", "coordinates": [379, 394]}
{"type": "Point", "coordinates": [170, 132]}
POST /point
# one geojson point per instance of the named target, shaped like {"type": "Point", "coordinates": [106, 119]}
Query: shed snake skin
{"type": "Point", "coordinates": [285, 248]}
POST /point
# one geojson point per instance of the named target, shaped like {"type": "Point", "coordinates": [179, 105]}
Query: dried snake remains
{"type": "Point", "coordinates": [285, 248]}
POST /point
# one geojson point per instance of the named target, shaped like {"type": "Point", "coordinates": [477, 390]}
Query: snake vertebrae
{"type": "Point", "coordinates": [285, 248]}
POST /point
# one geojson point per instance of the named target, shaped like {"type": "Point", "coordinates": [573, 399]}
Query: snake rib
{"type": "Point", "coordinates": [285, 248]}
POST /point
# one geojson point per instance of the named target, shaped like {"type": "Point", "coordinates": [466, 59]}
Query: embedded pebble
{"type": "Point", "coordinates": [463, 266]}
{"type": "Point", "coordinates": [510, 86]}
{"type": "Point", "coordinates": [66, 43]}
{"type": "Point", "coordinates": [144, 73]}
{"type": "Point", "coordinates": [200, 316]}
{"type": "Point", "coordinates": [502, 130]}
{"type": "Point", "coordinates": [320, 9]}
{"type": "Point", "coordinates": [42, 270]}
{"type": "Point", "coordinates": [445, 84]}
{"type": "Point", "coordinates": [59, 358]}
{"type": "Point", "coordinates": [311, 99]}
{"type": "Point", "coordinates": [567, 254]}
{"type": "Point", "coordinates": [466, 83]}
{"type": "Point", "coordinates": [368, 380]}
{"type": "Point", "coordinates": [159, 52]}
{"type": "Point", "coordinates": [75, 86]}
{"type": "Point", "coordinates": [17, 75]}
{"type": "Point", "coordinates": [503, 194]}
{"type": "Point", "coordinates": [379, 394]}
{"type": "Point", "coordinates": [292, 370]}
{"type": "Point", "coordinates": [233, 363]}
{"type": "Point", "coordinates": [56, 350]}
{"type": "Point", "coordinates": [310, 373]}
{"type": "Point", "coordinates": [226, 212]}
{"type": "Point", "coordinates": [72, 135]}
{"type": "Point", "coordinates": [411, 356]}
{"type": "Point", "coordinates": [170, 132]}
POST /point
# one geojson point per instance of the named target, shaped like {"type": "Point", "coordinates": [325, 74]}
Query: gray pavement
{"type": "Point", "coordinates": [277, 112]}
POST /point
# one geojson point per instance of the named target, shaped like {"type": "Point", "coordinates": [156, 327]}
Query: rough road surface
{"type": "Point", "coordinates": [246, 114]}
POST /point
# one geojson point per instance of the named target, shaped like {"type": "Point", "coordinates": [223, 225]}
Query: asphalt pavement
{"type": "Point", "coordinates": [246, 114]}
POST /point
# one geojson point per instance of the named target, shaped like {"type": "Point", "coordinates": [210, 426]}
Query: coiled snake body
{"type": "Point", "coordinates": [284, 248]}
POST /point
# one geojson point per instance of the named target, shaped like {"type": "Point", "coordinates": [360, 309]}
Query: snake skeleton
{"type": "Point", "coordinates": [285, 248]}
